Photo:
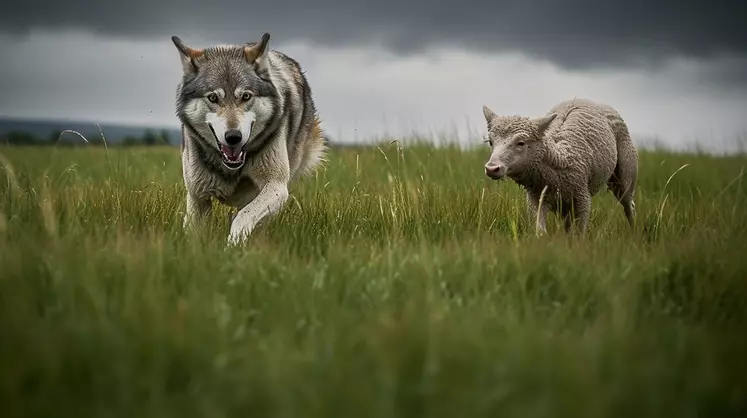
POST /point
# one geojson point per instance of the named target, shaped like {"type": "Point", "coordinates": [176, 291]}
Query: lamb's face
{"type": "Point", "coordinates": [514, 146]}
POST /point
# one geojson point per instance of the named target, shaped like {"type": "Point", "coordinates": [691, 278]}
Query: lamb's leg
{"type": "Point", "coordinates": [540, 223]}
{"type": "Point", "coordinates": [628, 204]}
{"type": "Point", "coordinates": [531, 207]}
{"type": "Point", "coordinates": [567, 220]}
{"type": "Point", "coordinates": [629, 207]}
{"type": "Point", "coordinates": [583, 212]}
{"type": "Point", "coordinates": [624, 191]}
{"type": "Point", "coordinates": [579, 211]}
{"type": "Point", "coordinates": [623, 181]}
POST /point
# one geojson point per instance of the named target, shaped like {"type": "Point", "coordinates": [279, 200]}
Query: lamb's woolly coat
{"type": "Point", "coordinates": [578, 147]}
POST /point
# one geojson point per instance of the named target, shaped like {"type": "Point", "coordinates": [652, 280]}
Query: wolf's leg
{"type": "Point", "coordinates": [268, 202]}
{"type": "Point", "coordinates": [197, 209]}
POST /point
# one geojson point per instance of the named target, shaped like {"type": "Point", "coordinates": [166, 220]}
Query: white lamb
{"type": "Point", "coordinates": [575, 149]}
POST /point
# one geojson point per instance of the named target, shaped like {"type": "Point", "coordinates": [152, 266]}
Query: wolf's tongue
{"type": "Point", "coordinates": [231, 152]}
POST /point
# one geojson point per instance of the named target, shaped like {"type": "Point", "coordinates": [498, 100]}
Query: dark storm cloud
{"type": "Point", "coordinates": [575, 34]}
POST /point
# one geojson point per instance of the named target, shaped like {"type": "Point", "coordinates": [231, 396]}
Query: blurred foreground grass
{"type": "Point", "coordinates": [394, 283]}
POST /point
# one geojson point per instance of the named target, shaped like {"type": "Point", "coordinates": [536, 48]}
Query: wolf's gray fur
{"type": "Point", "coordinates": [574, 150]}
{"type": "Point", "coordinates": [249, 127]}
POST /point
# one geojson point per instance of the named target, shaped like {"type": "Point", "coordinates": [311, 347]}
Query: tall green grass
{"type": "Point", "coordinates": [394, 283]}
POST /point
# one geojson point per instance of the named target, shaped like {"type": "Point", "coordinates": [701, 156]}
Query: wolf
{"type": "Point", "coordinates": [249, 126]}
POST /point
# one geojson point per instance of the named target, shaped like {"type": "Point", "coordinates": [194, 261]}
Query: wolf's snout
{"type": "Point", "coordinates": [495, 171]}
{"type": "Point", "coordinates": [233, 137]}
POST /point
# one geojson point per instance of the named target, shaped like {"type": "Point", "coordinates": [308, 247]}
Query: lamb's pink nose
{"type": "Point", "coordinates": [494, 171]}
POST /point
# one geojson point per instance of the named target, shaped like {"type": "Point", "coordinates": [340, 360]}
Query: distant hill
{"type": "Point", "coordinates": [42, 128]}
{"type": "Point", "coordinates": [48, 131]}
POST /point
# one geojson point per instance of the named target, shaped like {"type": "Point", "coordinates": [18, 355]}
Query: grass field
{"type": "Point", "coordinates": [395, 283]}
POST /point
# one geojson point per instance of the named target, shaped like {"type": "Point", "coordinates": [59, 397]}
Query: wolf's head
{"type": "Point", "coordinates": [226, 95]}
{"type": "Point", "coordinates": [516, 143]}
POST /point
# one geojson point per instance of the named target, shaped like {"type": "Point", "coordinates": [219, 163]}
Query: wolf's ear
{"type": "Point", "coordinates": [258, 55]}
{"type": "Point", "coordinates": [187, 54]}
{"type": "Point", "coordinates": [543, 122]}
{"type": "Point", "coordinates": [489, 114]}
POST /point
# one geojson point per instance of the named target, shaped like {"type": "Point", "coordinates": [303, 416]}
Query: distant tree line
{"type": "Point", "coordinates": [150, 137]}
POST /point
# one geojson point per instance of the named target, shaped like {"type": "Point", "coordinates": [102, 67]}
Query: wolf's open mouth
{"type": "Point", "coordinates": [233, 157]}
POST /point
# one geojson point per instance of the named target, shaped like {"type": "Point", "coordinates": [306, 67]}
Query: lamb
{"type": "Point", "coordinates": [572, 151]}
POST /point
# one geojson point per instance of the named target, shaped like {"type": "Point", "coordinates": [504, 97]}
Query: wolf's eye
{"type": "Point", "coordinates": [212, 97]}
{"type": "Point", "coordinates": [246, 96]}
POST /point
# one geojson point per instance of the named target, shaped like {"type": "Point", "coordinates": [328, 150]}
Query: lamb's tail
{"type": "Point", "coordinates": [623, 181]}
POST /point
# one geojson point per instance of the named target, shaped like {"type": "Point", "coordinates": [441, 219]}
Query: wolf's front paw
{"type": "Point", "coordinates": [238, 235]}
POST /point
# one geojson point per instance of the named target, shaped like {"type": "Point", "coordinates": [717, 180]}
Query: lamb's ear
{"type": "Point", "coordinates": [188, 55]}
{"type": "Point", "coordinates": [489, 114]}
{"type": "Point", "coordinates": [258, 55]}
{"type": "Point", "coordinates": [543, 122]}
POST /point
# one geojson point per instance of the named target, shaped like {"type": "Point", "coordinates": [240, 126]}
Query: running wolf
{"type": "Point", "coordinates": [249, 127]}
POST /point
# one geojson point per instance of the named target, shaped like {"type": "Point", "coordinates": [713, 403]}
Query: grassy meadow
{"type": "Point", "coordinates": [397, 282]}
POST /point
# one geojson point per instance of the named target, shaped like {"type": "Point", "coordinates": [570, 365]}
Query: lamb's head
{"type": "Point", "coordinates": [516, 143]}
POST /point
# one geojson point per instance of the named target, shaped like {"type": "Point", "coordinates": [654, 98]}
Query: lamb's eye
{"type": "Point", "coordinates": [520, 143]}
{"type": "Point", "coordinates": [246, 96]}
{"type": "Point", "coordinates": [212, 97]}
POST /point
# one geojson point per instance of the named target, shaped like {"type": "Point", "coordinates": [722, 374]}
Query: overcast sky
{"type": "Point", "coordinates": [676, 69]}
